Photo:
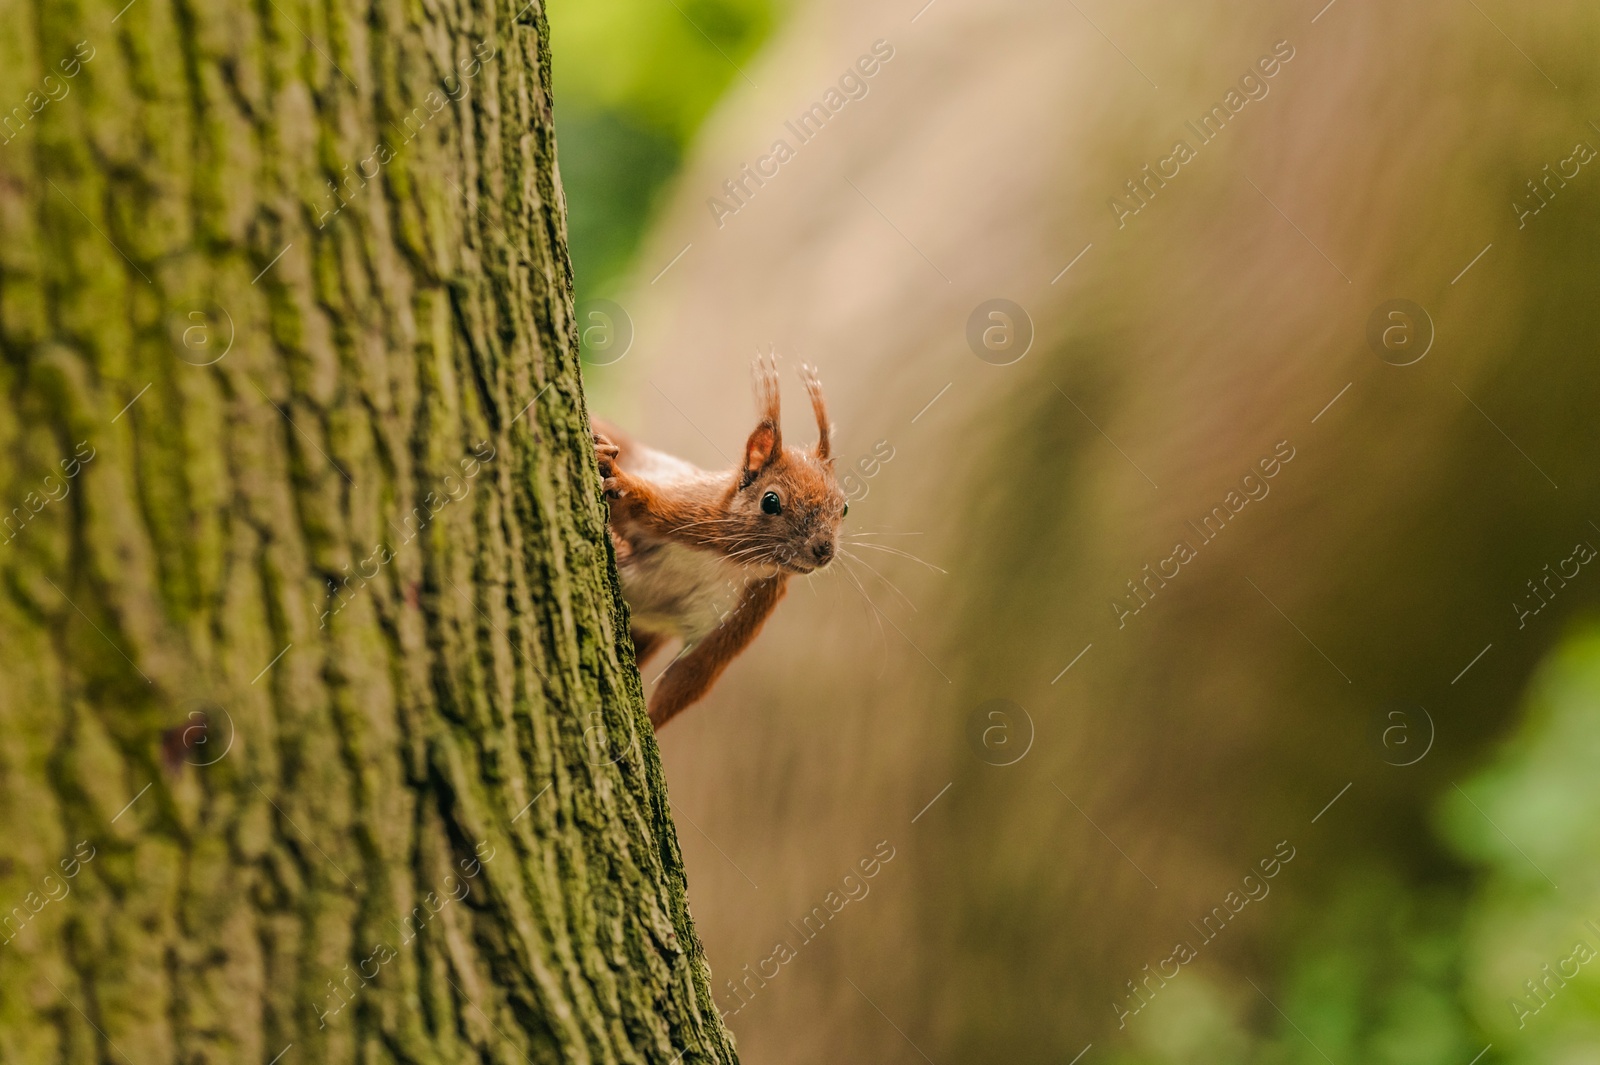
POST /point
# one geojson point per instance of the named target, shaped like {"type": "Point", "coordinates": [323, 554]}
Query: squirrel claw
{"type": "Point", "coordinates": [605, 455]}
{"type": "Point", "coordinates": [612, 479]}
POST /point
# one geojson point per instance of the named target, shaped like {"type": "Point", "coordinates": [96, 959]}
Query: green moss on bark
{"type": "Point", "coordinates": [321, 653]}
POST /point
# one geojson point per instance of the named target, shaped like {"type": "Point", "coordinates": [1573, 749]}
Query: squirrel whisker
{"type": "Point", "coordinates": [872, 611]}
{"type": "Point", "coordinates": [705, 521]}
{"type": "Point", "coordinates": [902, 554]}
{"type": "Point", "coordinates": [874, 571]}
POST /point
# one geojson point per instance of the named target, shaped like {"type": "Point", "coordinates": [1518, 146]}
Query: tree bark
{"type": "Point", "coordinates": [323, 740]}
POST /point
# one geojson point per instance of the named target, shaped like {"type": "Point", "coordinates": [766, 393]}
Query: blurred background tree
{"type": "Point", "coordinates": [634, 80]}
{"type": "Point", "coordinates": [1389, 152]}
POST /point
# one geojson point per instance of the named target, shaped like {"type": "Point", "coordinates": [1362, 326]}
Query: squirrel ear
{"type": "Point", "coordinates": [766, 442]}
{"type": "Point", "coordinates": [759, 451]}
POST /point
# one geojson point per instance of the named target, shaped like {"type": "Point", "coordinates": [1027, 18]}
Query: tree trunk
{"type": "Point", "coordinates": [323, 741]}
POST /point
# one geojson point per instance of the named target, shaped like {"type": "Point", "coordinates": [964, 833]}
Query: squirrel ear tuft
{"type": "Point", "coordinates": [764, 378]}
{"type": "Point", "coordinates": [808, 375]}
{"type": "Point", "coordinates": [766, 442]}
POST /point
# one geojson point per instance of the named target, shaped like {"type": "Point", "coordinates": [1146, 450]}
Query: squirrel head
{"type": "Point", "coordinates": [788, 504]}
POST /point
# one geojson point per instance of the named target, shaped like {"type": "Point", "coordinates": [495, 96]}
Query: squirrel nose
{"type": "Point", "coordinates": [823, 551]}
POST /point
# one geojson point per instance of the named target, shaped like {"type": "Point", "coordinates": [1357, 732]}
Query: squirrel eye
{"type": "Point", "coordinates": [771, 504]}
{"type": "Point", "coordinates": [845, 513]}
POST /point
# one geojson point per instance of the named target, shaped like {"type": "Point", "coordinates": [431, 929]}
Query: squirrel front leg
{"type": "Point", "coordinates": [687, 679]}
{"type": "Point", "coordinates": [635, 500]}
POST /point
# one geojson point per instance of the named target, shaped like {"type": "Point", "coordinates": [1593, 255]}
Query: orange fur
{"type": "Point", "coordinates": [689, 539]}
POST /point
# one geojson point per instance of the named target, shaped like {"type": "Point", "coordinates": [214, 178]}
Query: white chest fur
{"type": "Point", "coordinates": [681, 591]}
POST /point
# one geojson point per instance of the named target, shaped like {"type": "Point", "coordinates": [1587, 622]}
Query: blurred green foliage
{"type": "Point", "coordinates": [634, 81]}
{"type": "Point", "coordinates": [1394, 975]}
{"type": "Point", "coordinates": [1540, 892]}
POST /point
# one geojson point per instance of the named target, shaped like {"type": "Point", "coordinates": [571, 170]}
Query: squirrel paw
{"type": "Point", "coordinates": [605, 455]}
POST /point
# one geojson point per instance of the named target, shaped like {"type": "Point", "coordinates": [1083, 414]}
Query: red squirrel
{"type": "Point", "coordinates": [705, 556]}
